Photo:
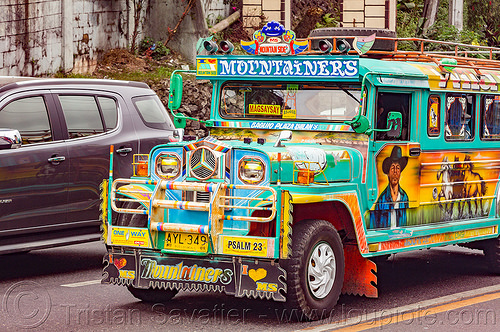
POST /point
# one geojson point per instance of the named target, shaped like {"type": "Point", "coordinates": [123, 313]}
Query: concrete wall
{"type": "Point", "coordinates": [44, 36]}
{"type": "Point", "coordinates": [369, 14]}
{"type": "Point", "coordinates": [259, 12]}
{"type": "Point", "coordinates": [163, 15]}
{"type": "Point", "coordinates": [215, 9]}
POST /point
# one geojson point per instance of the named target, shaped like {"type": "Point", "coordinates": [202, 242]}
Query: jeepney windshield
{"type": "Point", "coordinates": [286, 101]}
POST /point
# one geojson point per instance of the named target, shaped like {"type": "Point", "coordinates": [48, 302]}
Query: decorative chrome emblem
{"type": "Point", "coordinates": [203, 163]}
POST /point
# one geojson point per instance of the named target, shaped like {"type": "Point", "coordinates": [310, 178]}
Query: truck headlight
{"type": "Point", "coordinates": [168, 166]}
{"type": "Point", "coordinates": [251, 170]}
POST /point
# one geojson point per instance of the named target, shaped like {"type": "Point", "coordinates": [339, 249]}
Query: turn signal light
{"type": "Point", "coordinates": [325, 46]}
{"type": "Point", "coordinates": [343, 46]}
{"type": "Point", "coordinates": [140, 164]}
{"type": "Point", "coordinates": [305, 176]}
{"type": "Point", "coordinates": [210, 46]}
{"type": "Point", "coordinates": [226, 46]}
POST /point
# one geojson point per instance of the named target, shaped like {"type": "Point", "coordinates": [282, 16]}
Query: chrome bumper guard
{"type": "Point", "coordinates": [123, 188]}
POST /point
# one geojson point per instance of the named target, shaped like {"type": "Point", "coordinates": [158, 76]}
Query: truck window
{"type": "Point", "coordinates": [82, 115]}
{"type": "Point", "coordinates": [30, 117]}
{"type": "Point", "coordinates": [392, 102]}
{"type": "Point", "coordinates": [490, 113]}
{"type": "Point", "coordinates": [308, 101]}
{"type": "Point", "coordinates": [434, 116]}
{"type": "Point", "coordinates": [459, 124]}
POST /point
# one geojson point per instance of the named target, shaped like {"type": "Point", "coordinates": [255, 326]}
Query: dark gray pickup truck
{"type": "Point", "coordinates": [55, 137]}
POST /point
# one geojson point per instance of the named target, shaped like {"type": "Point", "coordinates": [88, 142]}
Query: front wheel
{"type": "Point", "coordinates": [315, 270]}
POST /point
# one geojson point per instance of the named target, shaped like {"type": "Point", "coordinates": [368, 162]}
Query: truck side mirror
{"type": "Point", "coordinates": [394, 124]}
{"type": "Point", "coordinates": [175, 94]}
{"type": "Point", "coordinates": [360, 124]}
{"type": "Point", "coordinates": [10, 139]}
{"type": "Point", "coordinates": [285, 135]}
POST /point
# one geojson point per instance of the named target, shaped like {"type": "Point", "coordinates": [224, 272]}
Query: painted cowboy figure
{"type": "Point", "coordinates": [391, 205]}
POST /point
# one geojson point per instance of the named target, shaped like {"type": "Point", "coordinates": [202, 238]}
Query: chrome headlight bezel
{"type": "Point", "coordinates": [251, 170]}
{"type": "Point", "coordinates": [168, 165]}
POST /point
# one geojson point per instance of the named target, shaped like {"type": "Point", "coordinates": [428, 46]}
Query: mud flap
{"type": "Point", "coordinates": [360, 276]}
{"type": "Point", "coordinates": [261, 279]}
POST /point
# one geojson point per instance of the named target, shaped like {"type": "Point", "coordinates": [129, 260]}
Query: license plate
{"type": "Point", "coordinates": [186, 241]}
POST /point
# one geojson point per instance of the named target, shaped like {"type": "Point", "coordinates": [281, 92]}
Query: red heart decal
{"type": "Point", "coordinates": [119, 263]}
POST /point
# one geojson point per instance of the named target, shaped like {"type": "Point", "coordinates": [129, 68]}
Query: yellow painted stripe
{"type": "Point", "coordinates": [420, 313]}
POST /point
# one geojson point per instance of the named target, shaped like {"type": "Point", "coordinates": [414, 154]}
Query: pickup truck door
{"type": "Point", "coordinates": [34, 177]}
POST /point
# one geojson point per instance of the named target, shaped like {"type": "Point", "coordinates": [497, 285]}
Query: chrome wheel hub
{"type": "Point", "coordinates": [321, 270]}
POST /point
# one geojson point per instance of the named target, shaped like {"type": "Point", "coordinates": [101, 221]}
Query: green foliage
{"type": "Point", "coordinates": [410, 22]}
{"type": "Point", "coordinates": [152, 48]}
{"type": "Point", "coordinates": [329, 20]}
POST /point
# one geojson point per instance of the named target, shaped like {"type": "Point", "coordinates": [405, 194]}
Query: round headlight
{"type": "Point", "coordinates": [168, 166]}
{"type": "Point", "coordinates": [251, 170]}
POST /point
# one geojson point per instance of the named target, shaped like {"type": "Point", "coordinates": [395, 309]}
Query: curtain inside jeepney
{"type": "Point", "coordinates": [280, 101]}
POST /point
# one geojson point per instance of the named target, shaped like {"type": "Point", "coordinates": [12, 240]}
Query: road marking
{"type": "Point", "coordinates": [83, 283]}
{"type": "Point", "coordinates": [440, 304]}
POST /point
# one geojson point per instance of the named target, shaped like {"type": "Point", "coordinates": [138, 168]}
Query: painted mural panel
{"type": "Point", "coordinates": [397, 178]}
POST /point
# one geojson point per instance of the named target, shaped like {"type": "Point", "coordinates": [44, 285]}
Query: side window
{"type": "Point", "coordinates": [490, 115]}
{"type": "Point", "coordinates": [459, 123]}
{"type": "Point", "coordinates": [82, 115]}
{"type": "Point", "coordinates": [433, 116]}
{"type": "Point", "coordinates": [152, 112]}
{"type": "Point", "coordinates": [30, 117]}
{"type": "Point", "coordinates": [109, 112]}
{"type": "Point", "coordinates": [393, 102]}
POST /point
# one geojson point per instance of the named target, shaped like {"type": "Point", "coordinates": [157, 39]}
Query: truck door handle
{"type": "Point", "coordinates": [123, 151]}
{"type": "Point", "coordinates": [56, 160]}
{"type": "Point", "coordinates": [415, 152]}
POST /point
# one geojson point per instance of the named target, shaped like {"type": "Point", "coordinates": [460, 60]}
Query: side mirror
{"type": "Point", "coordinates": [180, 121]}
{"type": "Point", "coordinates": [394, 124]}
{"type": "Point", "coordinates": [175, 94]}
{"type": "Point", "coordinates": [360, 124]}
{"type": "Point", "coordinates": [285, 135]}
{"type": "Point", "coordinates": [10, 139]}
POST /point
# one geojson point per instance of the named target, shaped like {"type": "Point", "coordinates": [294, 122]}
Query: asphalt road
{"type": "Point", "coordinates": [59, 290]}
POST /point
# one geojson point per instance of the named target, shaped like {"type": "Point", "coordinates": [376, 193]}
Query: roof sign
{"type": "Point", "coordinates": [304, 67]}
{"type": "Point", "coordinates": [274, 39]}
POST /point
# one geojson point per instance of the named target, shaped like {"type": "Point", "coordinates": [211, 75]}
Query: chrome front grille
{"type": "Point", "coordinates": [203, 163]}
{"type": "Point", "coordinates": [203, 197]}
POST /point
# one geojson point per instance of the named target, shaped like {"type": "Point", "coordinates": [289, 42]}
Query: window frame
{"type": "Point", "coordinates": [472, 123]}
{"type": "Point", "coordinates": [338, 85]}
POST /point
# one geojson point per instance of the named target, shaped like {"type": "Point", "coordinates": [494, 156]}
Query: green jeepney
{"type": "Point", "coordinates": [319, 158]}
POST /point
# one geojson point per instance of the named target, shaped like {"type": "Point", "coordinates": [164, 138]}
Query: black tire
{"type": "Point", "coordinates": [151, 295]}
{"type": "Point", "coordinates": [311, 240]}
{"type": "Point", "coordinates": [492, 253]}
{"type": "Point", "coordinates": [379, 45]}
{"type": "Point", "coordinates": [133, 220]}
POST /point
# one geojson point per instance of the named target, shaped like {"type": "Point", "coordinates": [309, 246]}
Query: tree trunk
{"type": "Point", "coordinates": [456, 14]}
{"type": "Point", "coordinates": [430, 13]}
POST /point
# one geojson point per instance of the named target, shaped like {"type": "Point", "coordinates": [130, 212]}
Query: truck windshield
{"type": "Point", "coordinates": [285, 101]}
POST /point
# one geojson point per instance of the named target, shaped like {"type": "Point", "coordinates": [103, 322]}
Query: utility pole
{"type": "Point", "coordinates": [456, 14]}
